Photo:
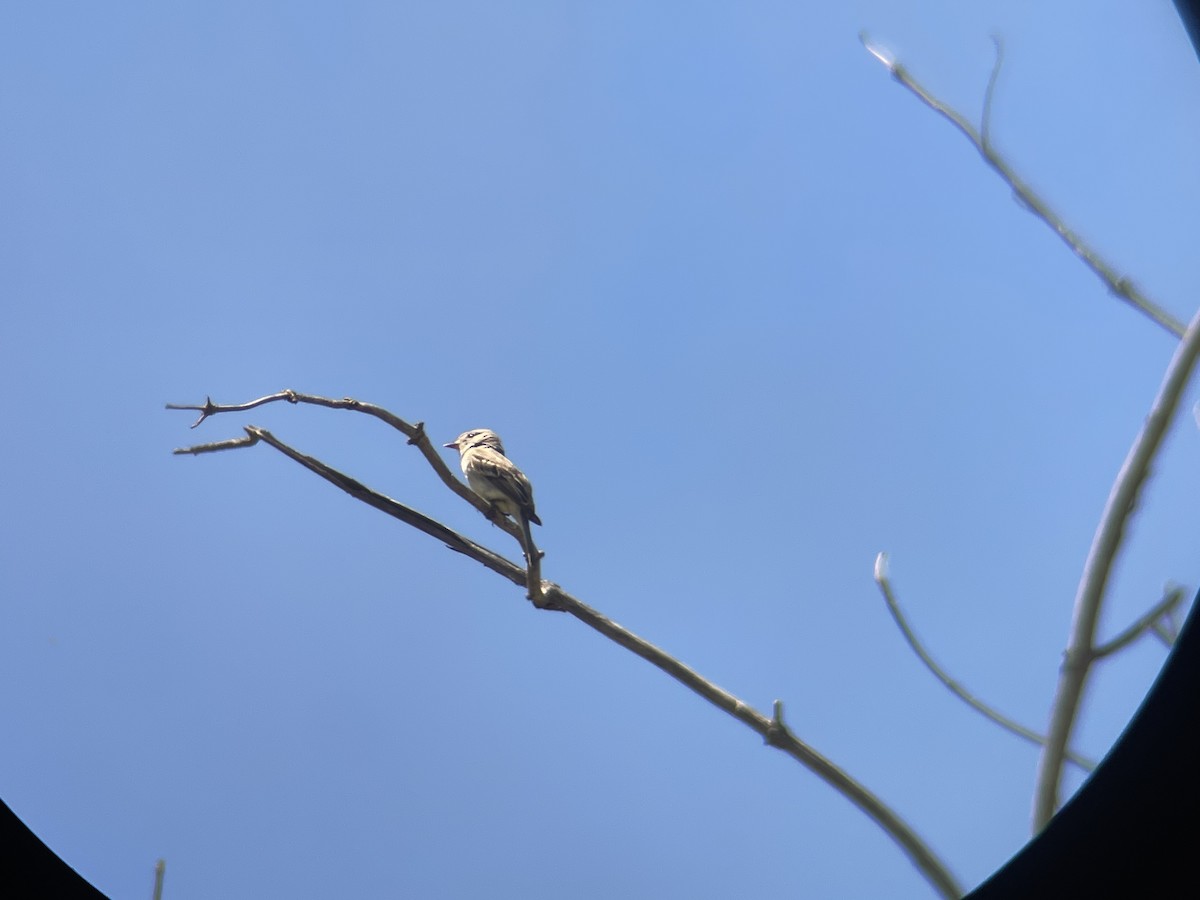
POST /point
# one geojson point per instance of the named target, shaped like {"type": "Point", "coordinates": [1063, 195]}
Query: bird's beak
{"type": "Point", "coordinates": [453, 445]}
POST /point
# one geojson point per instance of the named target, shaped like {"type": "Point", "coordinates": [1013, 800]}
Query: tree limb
{"type": "Point", "coordinates": [1025, 195]}
{"type": "Point", "coordinates": [885, 587]}
{"type": "Point", "coordinates": [773, 730]}
{"type": "Point", "coordinates": [1122, 500]}
{"type": "Point", "coordinates": [359, 491]}
{"type": "Point", "coordinates": [1081, 650]}
{"type": "Point", "coordinates": [415, 434]}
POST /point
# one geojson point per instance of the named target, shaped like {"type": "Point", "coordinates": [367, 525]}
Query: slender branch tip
{"type": "Point", "coordinates": [985, 123]}
{"type": "Point", "coordinates": [881, 567]}
{"type": "Point", "coordinates": [1025, 196]}
{"type": "Point", "coordinates": [878, 52]}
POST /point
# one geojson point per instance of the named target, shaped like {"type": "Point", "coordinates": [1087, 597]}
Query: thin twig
{"type": "Point", "coordinates": [415, 434]}
{"type": "Point", "coordinates": [216, 446]}
{"type": "Point", "coordinates": [985, 123]}
{"type": "Point", "coordinates": [359, 491]}
{"type": "Point", "coordinates": [1115, 282]}
{"type": "Point", "coordinates": [773, 730]}
{"type": "Point", "coordinates": [885, 587]}
{"type": "Point", "coordinates": [1122, 500]}
{"type": "Point", "coordinates": [1165, 634]}
{"type": "Point", "coordinates": [1166, 629]}
{"type": "Point", "coordinates": [160, 871]}
{"type": "Point", "coordinates": [1145, 623]}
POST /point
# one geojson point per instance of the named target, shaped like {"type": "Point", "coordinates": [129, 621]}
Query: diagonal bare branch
{"type": "Point", "coordinates": [359, 491]}
{"type": "Point", "coordinates": [415, 434]}
{"type": "Point", "coordinates": [216, 446]}
{"type": "Point", "coordinates": [773, 730]}
{"type": "Point", "coordinates": [885, 587]}
{"type": "Point", "coordinates": [1122, 500]}
{"type": "Point", "coordinates": [1026, 196]}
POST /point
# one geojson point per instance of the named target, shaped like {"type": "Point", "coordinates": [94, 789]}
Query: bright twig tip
{"type": "Point", "coordinates": [876, 51]}
{"type": "Point", "coordinates": [881, 567]}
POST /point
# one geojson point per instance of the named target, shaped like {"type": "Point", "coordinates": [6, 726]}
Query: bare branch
{"type": "Point", "coordinates": [773, 730]}
{"type": "Point", "coordinates": [1122, 500]}
{"type": "Point", "coordinates": [211, 409]}
{"type": "Point", "coordinates": [423, 523]}
{"type": "Point", "coordinates": [216, 446]}
{"type": "Point", "coordinates": [775, 733]}
{"type": "Point", "coordinates": [1145, 623]}
{"type": "Point", "coordinates": [415, 434]}
{"type": "Point", "coordinates": [885, 587]}
{"type": "Point", "coordinates": [1025, 195]}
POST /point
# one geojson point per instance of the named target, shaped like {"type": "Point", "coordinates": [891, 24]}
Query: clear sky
{"type": "Point", "coordinates": [744, 311]}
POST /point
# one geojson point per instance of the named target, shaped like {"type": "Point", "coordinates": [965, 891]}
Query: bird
{"type": "Point", "coordinates": [493, 477]}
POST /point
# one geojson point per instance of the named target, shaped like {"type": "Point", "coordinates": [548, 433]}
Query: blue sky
{"type": "Point", "coordinates": [745, 312]}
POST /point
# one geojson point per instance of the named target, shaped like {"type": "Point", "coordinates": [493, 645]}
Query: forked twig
{"type": "Point", "coordinates": [981, 140]}
{"type": "Point", "coordinates": [1166, 629]}
{"type": "Point", "coordinates": [1081, 650]}
{"type": "Point", "coordinates": [1122, 500]}
{"type": "Point", "coordinates": [885, 587]}
{"type": "Point", "coordinates": [416, 436]}
{"type": "Point", "coordinates": [773, 730]}
{"type": "Point", "coordinates": [1144, 624]}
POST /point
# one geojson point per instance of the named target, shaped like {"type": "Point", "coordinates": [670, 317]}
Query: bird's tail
{"type": "Point", "coordinates": [527, 540]}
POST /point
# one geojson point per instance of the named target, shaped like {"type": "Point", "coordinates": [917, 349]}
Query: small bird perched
{"type": "Point", "coordinates": [493, 477]}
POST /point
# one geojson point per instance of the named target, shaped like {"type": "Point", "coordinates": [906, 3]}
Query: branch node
{"type": "Point", "coordinates": [550, 597]}
{"type": "Point", "coordinates": [418, 434]}
{"type": "Point", "coordinates": [777, 731]}
{"type": "Point", "coordinates": [1124, 287]}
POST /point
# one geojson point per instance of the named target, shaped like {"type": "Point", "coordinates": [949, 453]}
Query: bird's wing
{"type": "Point", "coordinates": [507, 479]}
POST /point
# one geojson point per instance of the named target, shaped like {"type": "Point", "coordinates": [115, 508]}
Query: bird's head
{"type": "Point", "coordinates": [476, 437]}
